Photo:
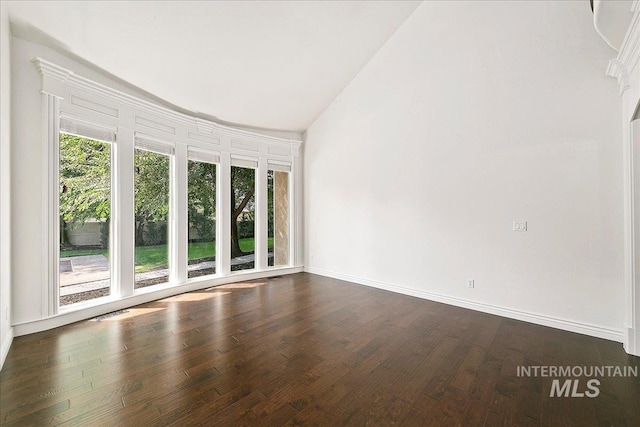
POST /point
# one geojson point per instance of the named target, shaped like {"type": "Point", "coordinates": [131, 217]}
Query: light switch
{"type": "Point", "coordinates": [520, 226]}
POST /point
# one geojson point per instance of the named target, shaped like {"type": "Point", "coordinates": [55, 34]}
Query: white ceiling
{"type": "Point", "coordinates": [274, 65]}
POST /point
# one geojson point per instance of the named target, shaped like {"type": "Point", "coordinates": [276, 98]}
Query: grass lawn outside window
{"type": "Point", "coordinates": [150, 257]}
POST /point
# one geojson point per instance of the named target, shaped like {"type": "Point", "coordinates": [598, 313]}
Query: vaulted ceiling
{"type": "Point", "coordinates": [271, 64]}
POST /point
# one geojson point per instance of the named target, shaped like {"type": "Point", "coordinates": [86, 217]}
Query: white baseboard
{"type": "Point", "coordinates": [147, 295]}
{"type": "Point", "coordinates": [630, 343]}
{"type": "Point", "coordinates": [6, 345]}
{"type": "Point", "coordinates": [539, 319]}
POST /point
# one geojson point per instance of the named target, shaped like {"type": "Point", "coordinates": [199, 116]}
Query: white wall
{"type": "Point", "coordinates": [6, 332]}
{"type": "Point", "coordinates": [472, 116]}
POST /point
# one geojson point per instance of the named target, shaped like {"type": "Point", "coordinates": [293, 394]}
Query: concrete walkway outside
{"type": "Point", "coordinates": [81, 269]}
{"type": "Point", "coordinates": [91, 272]}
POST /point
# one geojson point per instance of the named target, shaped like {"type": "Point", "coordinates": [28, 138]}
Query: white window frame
{"type": "Point", "coordinates": [259, 239]}
{"type": "Point", "coordinates": [272, 165]}
{"type": "Point", "coordinates": [65, 92]}
{"type": "Point", "coordinates": [113, 216]}
{"type": "Point", "coordinates": [165, 148]}
{"type": "Point", "coordinates": [197, 154]}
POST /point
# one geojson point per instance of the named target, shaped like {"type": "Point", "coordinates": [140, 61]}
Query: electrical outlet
{"type": "Point", "coordinates": [471, 284]}
{"type": "Point", "coordinates": [520, 226]}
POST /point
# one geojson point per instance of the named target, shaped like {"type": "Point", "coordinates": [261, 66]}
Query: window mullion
{"type": "Point", "coordinates": [261, 215]}
{"type": "Point", "coordinates": [124, 241]}
{"type": "Point", "coordinates": [179, 216]}
{"type": "Point", "coordinates": [223, 248]}
{"type": "Point", "coordinates": [295, 238]}
{"type": "Point", "coordinates": [51, 224]}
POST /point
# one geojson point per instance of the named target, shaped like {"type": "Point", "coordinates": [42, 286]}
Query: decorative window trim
{"type": "Point", "coordinates": [63, 83]}
{"type": "Point", "coordinates": [70, 96]}
{"type": "Point", "coordinates": [51, 159]}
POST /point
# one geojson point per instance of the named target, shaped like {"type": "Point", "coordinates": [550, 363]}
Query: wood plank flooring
{"type": "Point", "coordinates": [305, 350]}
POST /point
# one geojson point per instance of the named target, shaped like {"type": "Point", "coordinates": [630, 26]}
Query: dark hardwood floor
{"type": "Point", "coordinates": [305, 350]}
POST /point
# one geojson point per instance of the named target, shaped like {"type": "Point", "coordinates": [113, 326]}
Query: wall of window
{"type": "Point", "coordinates": [160, 202]}
{"type": "Point", "coordinates": [86, 210]}
{"type": "Point", "coordinates": [86, 165]}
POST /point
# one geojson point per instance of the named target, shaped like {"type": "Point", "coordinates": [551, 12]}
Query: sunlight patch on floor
{"type": "Point", "coordinates": [130, 312]}
{"type": "Point", "coordinates": [243, 285]}
{"type": "Point", "coordinates": [194, 296]}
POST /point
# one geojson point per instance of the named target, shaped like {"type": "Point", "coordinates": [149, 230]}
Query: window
{"type": "Point", "coordinates": [151, 207]}
{"type": "Point", "coordinates": [243, 188]}
{"type": "Point", "coordinates": [201, 208]}
{"type": "Point", "coordinates": [84, 206]}
{"type": "Point", "coordinates": [278, 214]}
{"type": "Point", "coordinates": [152, 174]}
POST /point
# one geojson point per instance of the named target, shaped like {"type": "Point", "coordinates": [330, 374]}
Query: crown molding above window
{"type": "Point", "coordinates": [628, 54]}
{"type": "Point", "coordinates": [56, 80]}
{"type": "Point", "coordinates": [618, 70]}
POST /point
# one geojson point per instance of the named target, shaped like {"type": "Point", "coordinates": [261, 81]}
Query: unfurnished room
{"type": "Point", "coordinates": [270, 213]}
